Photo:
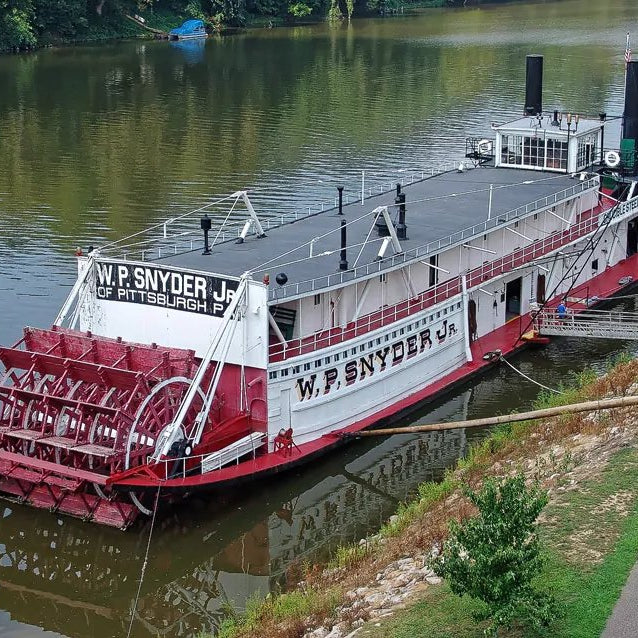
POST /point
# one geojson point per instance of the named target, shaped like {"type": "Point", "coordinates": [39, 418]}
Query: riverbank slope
{"type": "Point", "coordinates": [384, 587]}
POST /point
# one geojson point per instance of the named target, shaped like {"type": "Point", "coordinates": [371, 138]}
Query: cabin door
{"type": "Point", "coordinates": [540, 289]}
{"type": "Point", "coordinates": [285, 409]}
{"type": "Point", "coordinates": [471, 319]}
{"type": "Point", "coordinates": [632, 237]}
{"type": "Point", "coordinates": [513, 298]}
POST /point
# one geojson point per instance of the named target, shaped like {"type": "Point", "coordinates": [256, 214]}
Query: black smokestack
{"type": "Point", "coordinates": [533, 85]}
{"type": "Point", "coordinates": [343, 262]}
{"type": "Point", "coordinates": [630, 119]}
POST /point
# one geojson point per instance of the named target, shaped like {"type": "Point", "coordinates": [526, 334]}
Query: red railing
{"type": "Point", "coordinates": [438, 294]}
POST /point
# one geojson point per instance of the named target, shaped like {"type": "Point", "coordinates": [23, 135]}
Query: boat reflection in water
{"type": "Point", "coordinates": [192, 50]}
{"type": "Point", "coordinates": [80, 580]}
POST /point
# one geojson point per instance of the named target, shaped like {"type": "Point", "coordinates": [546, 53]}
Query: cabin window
{"type": "Point", "coordinates": [362, 348]}
{"type": "Point", "coordinates": [326, 360]}
{"type": "Point", "coordinates": [318, 363]}
{"type": "Point", "coordinates": [533, 151]}
{"type": "Point", "coordinates": [272, 375]}
{"type": "Point", "coordinates": [383, 278]}
{"type": "Point", "coordinates": [353, 351]}
{"type": "Point", "coordinates": [394, 334]}
{"type": "Point", "coordinates": [317, 300]}
{"type": "Point", "coordinates": [345, 354]}
{"type": "Point", "coordinates": [556, 155]}
{"type": "Point", "coordinates": [402, 331]}
{"type": "Point", "coordinates": [378, 342]}
{"type": "Point", "coordinates": [370, 344]}
{"type": "Point", "coordinates": [387, 338]}
{"type": "Point", "coordinates": [337, 357]}
{"type": "Point", "coordinates": [284, 372]}
{"type": "Point", "coordinates": [438, 314]}
{"type": "Point", "coordinates": [586, 150]}
{"type": "Point", "coordinates": [306, 366]}
{"type": "Point", "coordinates": [594, 264]}
{"type": "Point", "coordinates": [296, 370]}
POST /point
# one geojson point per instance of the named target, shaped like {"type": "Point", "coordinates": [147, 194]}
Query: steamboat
{"type": "Point", "coordinates": [222, 346]}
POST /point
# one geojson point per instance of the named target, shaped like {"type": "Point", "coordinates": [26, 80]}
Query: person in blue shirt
{"type": "Point", "coordinates": [561, 310]}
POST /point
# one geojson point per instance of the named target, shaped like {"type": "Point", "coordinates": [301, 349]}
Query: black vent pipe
{"type": "Point", "coordinates": [533, 85]}
{"type": "Point", "coordinates": [340, 189]}
{"type": "Point", "coordinates": [343, 262]}
{"type": "Point", "coordinates": [630, 118]}
{"type": "Point", "coordinates": [401, 227]}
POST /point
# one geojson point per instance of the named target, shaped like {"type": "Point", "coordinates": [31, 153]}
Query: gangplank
{"type": "Point", "coordinates": [602, 324]}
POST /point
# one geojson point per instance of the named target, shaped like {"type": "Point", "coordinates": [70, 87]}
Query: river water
{"type": "Point", "coordinates": [99, 142]}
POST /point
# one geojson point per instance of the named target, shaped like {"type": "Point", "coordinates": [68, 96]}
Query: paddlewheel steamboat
{"type": "Point", "coordinates": [223, 345]}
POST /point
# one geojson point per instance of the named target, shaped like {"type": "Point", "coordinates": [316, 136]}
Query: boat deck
{"type": "Point", "coordinates": [441, 211]}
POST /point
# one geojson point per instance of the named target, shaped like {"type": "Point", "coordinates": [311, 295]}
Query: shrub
{"type": "Point", "coordinates": [495, 555]}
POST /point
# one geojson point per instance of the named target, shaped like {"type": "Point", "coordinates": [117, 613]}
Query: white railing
{"type": "Point", "coordinates": [197, 464]}
{"type": "Point", "coordinates": [421, 252]}
{"type": "Point", "coordinates": [602, 324]}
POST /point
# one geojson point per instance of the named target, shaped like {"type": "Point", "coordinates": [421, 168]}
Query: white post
{"type": "Point", "coordinates": [489, 206]}
{"type": "Point", "coordinates": [363, 186]}
{"type": "Point", "coordinates": [466, 319]}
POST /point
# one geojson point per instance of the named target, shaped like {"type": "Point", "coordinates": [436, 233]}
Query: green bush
{"type": "Point", "coordinates": [495, 556]}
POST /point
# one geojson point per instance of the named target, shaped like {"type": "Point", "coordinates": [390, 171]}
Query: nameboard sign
{"type": "Point", "coordinates": [164, 288]}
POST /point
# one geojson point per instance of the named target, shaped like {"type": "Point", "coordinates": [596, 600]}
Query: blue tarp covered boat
{"type": "Point", "coordinates": [190, 29]}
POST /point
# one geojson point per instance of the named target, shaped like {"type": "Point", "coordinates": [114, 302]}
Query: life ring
{"type": "Point", "coordinates": [484, 147]}
{"type": "Point", "coordinates": [612, 159]}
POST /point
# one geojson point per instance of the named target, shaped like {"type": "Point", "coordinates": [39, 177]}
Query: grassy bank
{"type": "Point", "coordinates": [592, 543]}
{"type": "Point", "coordinates": [589, 464]}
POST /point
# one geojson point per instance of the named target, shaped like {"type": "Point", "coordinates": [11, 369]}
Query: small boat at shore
{"type": "Point", "coordinates": [180, 365]}
{"type": "Point", "coordinates": [190, 30]}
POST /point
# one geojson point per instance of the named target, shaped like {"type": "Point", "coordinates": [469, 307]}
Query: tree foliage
{"type": "Point", "coordinates": [25, 24]}
{"type": "Point", "coordinates": [495, 556]}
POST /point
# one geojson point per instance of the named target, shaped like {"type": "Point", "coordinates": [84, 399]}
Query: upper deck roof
{"type": "Point", "coordinates": [443, 210]}
{"type": "Point", "coordinates": [545, 124]}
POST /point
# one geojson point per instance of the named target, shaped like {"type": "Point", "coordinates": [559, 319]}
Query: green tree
{"type": "Point", "coordinates": [16, 24]}
{"type": "Point", "coordinates": [495, 555]}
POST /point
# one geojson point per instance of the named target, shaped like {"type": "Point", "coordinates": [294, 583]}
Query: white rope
{"type": "Point", "coordinates": [144, 564]}
{"type": "Point", "coordinates": [505, 361]}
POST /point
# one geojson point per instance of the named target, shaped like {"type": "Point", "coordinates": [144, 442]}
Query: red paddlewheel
{"type": "Point", "coordinates": [75, 409]}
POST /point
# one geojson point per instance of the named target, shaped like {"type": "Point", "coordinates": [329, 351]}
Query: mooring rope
{"type": "Point", "coordinates": [538, 383]}
{"type": "Point", "coordinates": [144, 564]}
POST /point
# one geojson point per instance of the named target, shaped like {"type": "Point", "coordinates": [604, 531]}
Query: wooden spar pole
{"type": "Point", "coordinates": [587, 406]}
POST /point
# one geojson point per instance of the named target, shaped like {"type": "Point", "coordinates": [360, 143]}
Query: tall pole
{"type": "Point", "coordinates": [489, 206]}
{"type": "Point", "coordinates": [627, 60]}
{"type": "Point", "coordinates": [363, 186]}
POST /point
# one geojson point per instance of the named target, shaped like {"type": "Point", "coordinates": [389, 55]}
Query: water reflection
{"type": "Point", "coordinates": [82, 579]}
{"type": "Point", "coordinates": [191, 50]}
